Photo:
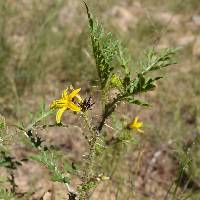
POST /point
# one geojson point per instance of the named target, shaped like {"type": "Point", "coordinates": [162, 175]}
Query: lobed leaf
{"type": "Point", "coordinates": [49, 159]}
{"type": "Point", "coordinates": [154, 61]}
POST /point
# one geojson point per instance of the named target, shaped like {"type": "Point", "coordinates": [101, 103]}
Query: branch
{"type": "Point", "coordinates": [109, 109]}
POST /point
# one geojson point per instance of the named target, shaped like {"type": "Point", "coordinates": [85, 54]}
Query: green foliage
{"type": "Point", "coordinates": [140, 84]}
{"type": "Point", "coordinates": [6, 195]}
{"type": "Point", "coordinates": [151, 62]}
{"type": "Point", "coordinates": [154, 61]}
{"type": "Point", "coordinates": [39, 116]}
{"type": "Point", "coordinates": [8, 161]}
{"type": "Point", "coordinates": [139, 102]}
{"type": "Point", "coordinates": [35, 140]}
{"type": "Point", "coordinates": [88, 186]}
{"type": "Point", "coordinates": [49, 159]}
{"type": "Point", "coordinates": [2, 125]}
{"type": "Point", "coordinates": [105, 50]}
{"type": "Point", "coordinates": [30, 136]}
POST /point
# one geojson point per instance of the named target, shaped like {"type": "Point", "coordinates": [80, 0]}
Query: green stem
{"type": "Point", "coordinates": [88, 171]}
{"type": "Point", "coordinates": [109, 109]}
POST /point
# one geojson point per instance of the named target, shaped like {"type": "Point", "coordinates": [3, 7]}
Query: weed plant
{"type": "Point", "coordinates": [116, 85]}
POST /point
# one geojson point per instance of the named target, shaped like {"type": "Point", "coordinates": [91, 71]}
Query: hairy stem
{"type": "Point", "coordinates": [92, 141]}
{"type": "Point", "coordinates": [95, 132]}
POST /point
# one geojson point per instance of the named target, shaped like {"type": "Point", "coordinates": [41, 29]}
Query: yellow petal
{"type": "Point", "coordinates": [58, 104]}
{"type": "Point", "coordinates": [52, 105]}
{"type": "Point", "coordinates": [64, 95]}
{"type": "Point", "coordinates": [74, 93]}
{"type": "Point", "coordinates": [139, 124]}
{"type": "Point", "coordinates": [135, 124]}
{"type": "Point", "coordinates": [59, 114]}
{"type": "Point", "coordinates": [73, 107]}
{"type": "Point", "coordinates": [136, 119]}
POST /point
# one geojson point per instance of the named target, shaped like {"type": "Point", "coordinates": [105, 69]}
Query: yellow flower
{"type": "Point", "coordinates": [101, 177]}
{"type": "Point", "coordinates": [66, 102]}
{"type": "Point", "coordinates": [136, 125]}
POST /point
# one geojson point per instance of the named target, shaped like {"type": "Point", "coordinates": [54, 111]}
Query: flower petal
{"type": "Point", "coordinates": [73, 107]}
{"type": "Point", "coordinates": [53, 105]}
{"type": "Point", "coordinates": [79, 98]}
{"type": "Point", "coordinates": [59, 114]}
{"type": "Point", "coordinates": [57, 104]}
{"type": "Point", "coordinates": [136, 120]}
{"type": "Point", "coordinates": [74, 93]}
{"type": "Point", "coordinates": [64, 94]}
{"type": "Point", "coordinates": [135, 124]}
{"type": "Point", "coordinates": [139, 124]}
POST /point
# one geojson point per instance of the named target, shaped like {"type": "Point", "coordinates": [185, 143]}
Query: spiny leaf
{"type": "Point", "coordinates": [132, 100]}
{"type": "Point", "coordinates": [142, 84]}
{"type": "Point", "coordinates": [42, 114]}
{"type": "Point", "coordinates": [154, 61]}
{"type": "Point", "coordinates": [49, 158]}
{"type": "Point", "coordinates": [89, 16]}
{"type": "Point", "coordinates": [105, 49]}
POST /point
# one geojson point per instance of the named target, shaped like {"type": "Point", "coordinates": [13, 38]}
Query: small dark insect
{"type": "Point", "coordinates": [87, 104]}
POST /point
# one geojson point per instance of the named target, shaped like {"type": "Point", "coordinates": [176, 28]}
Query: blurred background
{"type": "Point", "coordinates": [45, 46]}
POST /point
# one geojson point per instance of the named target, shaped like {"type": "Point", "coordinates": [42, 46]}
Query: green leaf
{"type": "Point", "coordinates": [142, 84]}
{"type": "Point", "coordinates": [49, 159]}
{"type": "Point", "coordinates": [68, 167]}
{"type": "Point", "coordinates": [154, 61]}
{"type": "Point", "coordinates": [124, 60]}
{"type": "Point", "coordinates": [132, 100]}
{"type": "Point", "coordinates": [105, 49]}
{"type": "Point", "coordinates": [2, 125]}
{"type": "Point", "coordinates": [41, 115]}
{"type": "Point", "coordinates": [137, 84]}
{"type": "Point", "coordinates": [35, 140]}
{"type": "Point", "coordinates": [2, 122]}
{"type": "Point", "coordinates": [89, 16]}
{"type": "Point", "coordinates": [6, 195]}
